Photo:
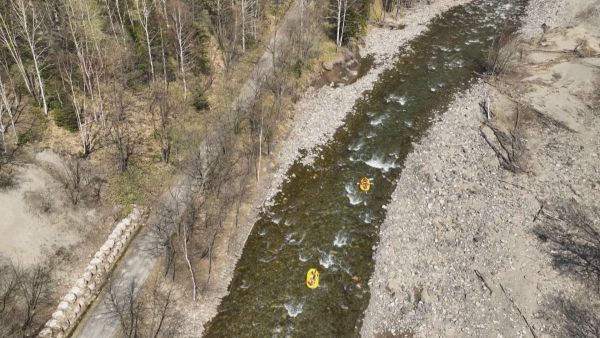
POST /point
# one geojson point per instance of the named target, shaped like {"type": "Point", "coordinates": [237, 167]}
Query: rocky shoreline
{"type": "Point", "coordinates": [465, 249]}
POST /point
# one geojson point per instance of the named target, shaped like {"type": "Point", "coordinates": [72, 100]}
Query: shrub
{"type": "Point", "coordinates": [501, 54]}
{"type": "Point", "coordinates": [200, 99]}
{"type": "Point", "coordinates": [63, 115]}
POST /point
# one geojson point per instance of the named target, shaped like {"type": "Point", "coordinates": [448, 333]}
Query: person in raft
{"type": "Point", "coordinates": [365, 184]}
{"type": "Point", "coordinates": [311, 279]}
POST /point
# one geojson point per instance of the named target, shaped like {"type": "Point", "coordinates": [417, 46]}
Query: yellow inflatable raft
{"type": "Point", "coordinates": [312, 278]}
{"type": "Point", "coordinates": [365, 184]}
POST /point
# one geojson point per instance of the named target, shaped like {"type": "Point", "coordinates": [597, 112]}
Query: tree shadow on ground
{"type": "Point", "coordinates": [580, 318]}
{"type": "Point", "coordinates": [572, 238]}
{"type": "Point", "coordinates": [573, 241]}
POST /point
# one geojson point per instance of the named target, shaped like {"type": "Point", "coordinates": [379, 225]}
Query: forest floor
{"type": "Point", "coordinates": [494, 227]}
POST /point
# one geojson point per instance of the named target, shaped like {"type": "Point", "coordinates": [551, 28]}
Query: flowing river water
{"type": "Point", "coordinates": [321, 219]}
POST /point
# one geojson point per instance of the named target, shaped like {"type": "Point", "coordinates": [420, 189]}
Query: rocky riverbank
{"type": "Point", "coordinates": [493, 229]}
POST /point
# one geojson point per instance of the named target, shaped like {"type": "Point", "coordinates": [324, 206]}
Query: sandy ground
{"type": "Point", "coordinates": [471, 249]}
{"type": "Point", "coordinates": [27, 234]}
{"type": "Point", "coordinates": [37, 218]}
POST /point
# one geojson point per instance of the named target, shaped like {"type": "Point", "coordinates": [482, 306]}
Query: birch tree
{"type": "Point", "coordinates": [9, 105]}
{"type": "Point", "coordinates": [30, 24]}
{"type": "Point", "coordinates": [115, 16]}
{"type": "Point", "coordinates": [143, 12]}
{"type": "Point", "coordinates": [8, 38]}
{"type": "Point", "coordinates": [342, 8]}
{"type": "Point", "coordinates": [180, 21]}
{"type": "Point", "coordinates": [86, 126]}
{"type": "Point", "coordinates": [83, 73]}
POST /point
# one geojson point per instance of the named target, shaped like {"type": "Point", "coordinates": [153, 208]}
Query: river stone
{"type": "Point", "coordinates": [99, 255]}
{"type": "Point", "coordinates": [395, 284]}
{"type": "Point", "coordinates": [114, 235]}
{"type": "Point", "coordinates": [91, 286]}
{"type": "Point", "coordinates": [70, 298]}
{"type": "Point", "coordinates": [63, 306]}
{"type": "Point", "coordinates": [110, 243]}
{"type": "Point", "coordinates": [58, 315]}
{"type": "Point", "coordinates": [82, 282]}
{"type": "Point", "coordinates": [54, 325]}
{"type": "Point", "coordinates": [47, 332]}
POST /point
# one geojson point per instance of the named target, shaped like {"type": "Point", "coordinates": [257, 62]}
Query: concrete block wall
{"type": "Point", "coordinates": [88, 285]}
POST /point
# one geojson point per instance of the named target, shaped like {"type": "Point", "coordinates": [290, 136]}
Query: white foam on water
{"type": "Point", "coordinates": [303, 257]}
{"type": "Point", "coordinates": [293, 310]}
{"type": "Point", "coordinates": [379, 120]}
{"type": "Point", "coordinates": [326, 260]}
{"type": "Point", "coordinates": [395, 98]}
{"type": "Point", "coordinates": [266, 259]}
{"type": "Point", "coordinates": [290, 240]}
{"type": "Point", "coordinates": [377, 162]}
{"type": "Point", "coordinates": [340, 240]}
{"type": "Point", "coordinates": [277, 332]}
{"type": "Point", "coordinates": [354, 196]}
{"type": "Point", "coordinates": [356, 146]}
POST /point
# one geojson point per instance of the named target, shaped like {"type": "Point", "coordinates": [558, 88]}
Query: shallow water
{"type": "Point", "coordinates": [321, 219]}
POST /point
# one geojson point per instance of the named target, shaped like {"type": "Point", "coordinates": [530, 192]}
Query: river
{"type": "Point", "coordinates": [321, 219]}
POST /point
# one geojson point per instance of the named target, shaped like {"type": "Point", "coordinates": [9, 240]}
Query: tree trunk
{"type": "Point", "coordinates": [189, 264]}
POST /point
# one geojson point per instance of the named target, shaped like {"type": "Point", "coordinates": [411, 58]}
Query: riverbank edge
{"type": "Point", "coordinates": [324, 110]}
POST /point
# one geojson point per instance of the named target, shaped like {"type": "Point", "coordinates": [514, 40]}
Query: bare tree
{"type": "Point", "coordinates": [181, 21]}
{"type": "Point", "coordinates": [164, 110]}
{"type": "Point", "coordinates": [30, 25]}
{"type": "Point", "coordinates": [83, 73]}
{"type": "Point", "coordinates": [125, 305]}
{"type": "Point", "coordinates": [225, 18]}
{"type": "Point", "coordinates": [342, 8]}
{"type": "Point", "coordinates": [22, 293]}
{"type": "Point", "coordinates": [10, 107]}
{"type": "Point", "coordinates": [33, 286]}
{"type": "Point", "coordinates": [73, 178]}
{"type": "Point", "coordinates": [122, 130]}
{"type": "Point", "coordinates": [86, 125]}
{"type": "Point", "coordinates": [143, 311]}
{"type": "Point", "coordinates": [143, 13]}
{"type": "Point", "coordinates": [8, 38]}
